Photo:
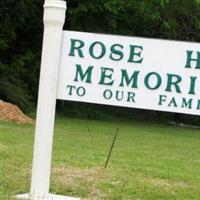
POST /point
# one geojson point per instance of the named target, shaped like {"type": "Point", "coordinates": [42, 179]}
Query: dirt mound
{"type": "Point", "coordinates": [10, 112]}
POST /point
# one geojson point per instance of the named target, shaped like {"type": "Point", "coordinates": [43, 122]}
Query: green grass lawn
{"type": "Point", "coordinates": [149, 161]}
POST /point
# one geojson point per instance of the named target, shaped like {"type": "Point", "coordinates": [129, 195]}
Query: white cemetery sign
{"type": "Point", "coordinates": [129, 71]}
{"type": "Point", "coordinates": [112, 70]}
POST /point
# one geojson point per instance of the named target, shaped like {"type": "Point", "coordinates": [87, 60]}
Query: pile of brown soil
{"type": "Point", "coordinates": [10, 112]}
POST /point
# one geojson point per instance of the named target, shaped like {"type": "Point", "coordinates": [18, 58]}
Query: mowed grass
{"type": "Point", "coordinates": [149, 161]}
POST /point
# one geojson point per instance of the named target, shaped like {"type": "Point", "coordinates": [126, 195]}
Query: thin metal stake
{"type": "Point", "coordinates": [112, 145]}
{"type": "Point", "coordinates": [91, 143]}
{"type": "Point", "coordinates": [91, 138]}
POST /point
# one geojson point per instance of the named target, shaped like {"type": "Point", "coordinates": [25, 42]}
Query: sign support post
{"type": "Point", "coordinates": [54, 18]}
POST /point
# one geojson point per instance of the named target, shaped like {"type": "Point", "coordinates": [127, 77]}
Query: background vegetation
{"type": "Point", "coordinates": [21, 39]}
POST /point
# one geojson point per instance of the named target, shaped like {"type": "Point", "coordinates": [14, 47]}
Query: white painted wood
{"type": "Point", "coordinates": [160, 60]}
{"type": "Point", "coordinates": [54, 18]}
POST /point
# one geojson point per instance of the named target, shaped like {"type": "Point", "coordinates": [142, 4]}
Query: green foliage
{"type": "Point", "coordinates": [21, 34]}
{"type": "Point", "coordinates": [170, 19]}
{"type": "Point", "coordinates": [20, 44]}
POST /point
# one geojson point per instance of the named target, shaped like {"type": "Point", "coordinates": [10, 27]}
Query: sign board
{"type": "Point", "coordinates": [130, 71]}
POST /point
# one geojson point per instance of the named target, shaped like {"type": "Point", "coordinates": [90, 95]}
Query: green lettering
{"type": "Point", "coordinates": [115, 51]}
{"type": "Point", "coordinates": [186, 104]}
{"type": "Point", "coordinates": [171, 82]}
{"type": "Point", "coordinates": [80, 91]}
{"type": "Point", "coordinates": [162, 98]}
{"type": "Point", "coordinates": [107, 94]}
{"type": "Point", "coordinates": [131, 96]}
{"type": "Point", "coordinates": [198, 105]}
{"type": "Point", "coordinates": [106, 73]}
{"type": "Point", "coordinates": [71, 87]}
{"type": "Point", "coordinates": [190, 59]}
{"type": "Point", "coordinates": [119, 95]}
{"type": "Point", "coordinates": [93, 52]}
{"type": "Point", "coordinates": [154, 84]}
{"type": "Point", "coordinates": [76, 45]}
{"type": "Point", "coordinates": [192, 84]}
{"type": "Point", "coordinates": [172, 103]}
{"type": "Point", "coordinates": [135, 51]}
{"type": "Point", "coordinates": [82, 75]}
{"type": "Point", "coordinates": [126, 80]}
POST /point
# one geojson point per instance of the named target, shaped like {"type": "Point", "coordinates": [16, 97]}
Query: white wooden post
{"type": "Point", "coordinates": [54, 18]}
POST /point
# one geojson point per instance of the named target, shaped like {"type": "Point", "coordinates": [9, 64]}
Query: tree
{"type": "Point", "coordinates": [21, 33]}
{"type": "Point", "coordinates": [169, 19]}
{"type": "Point", "coordinates": [20, 44]}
